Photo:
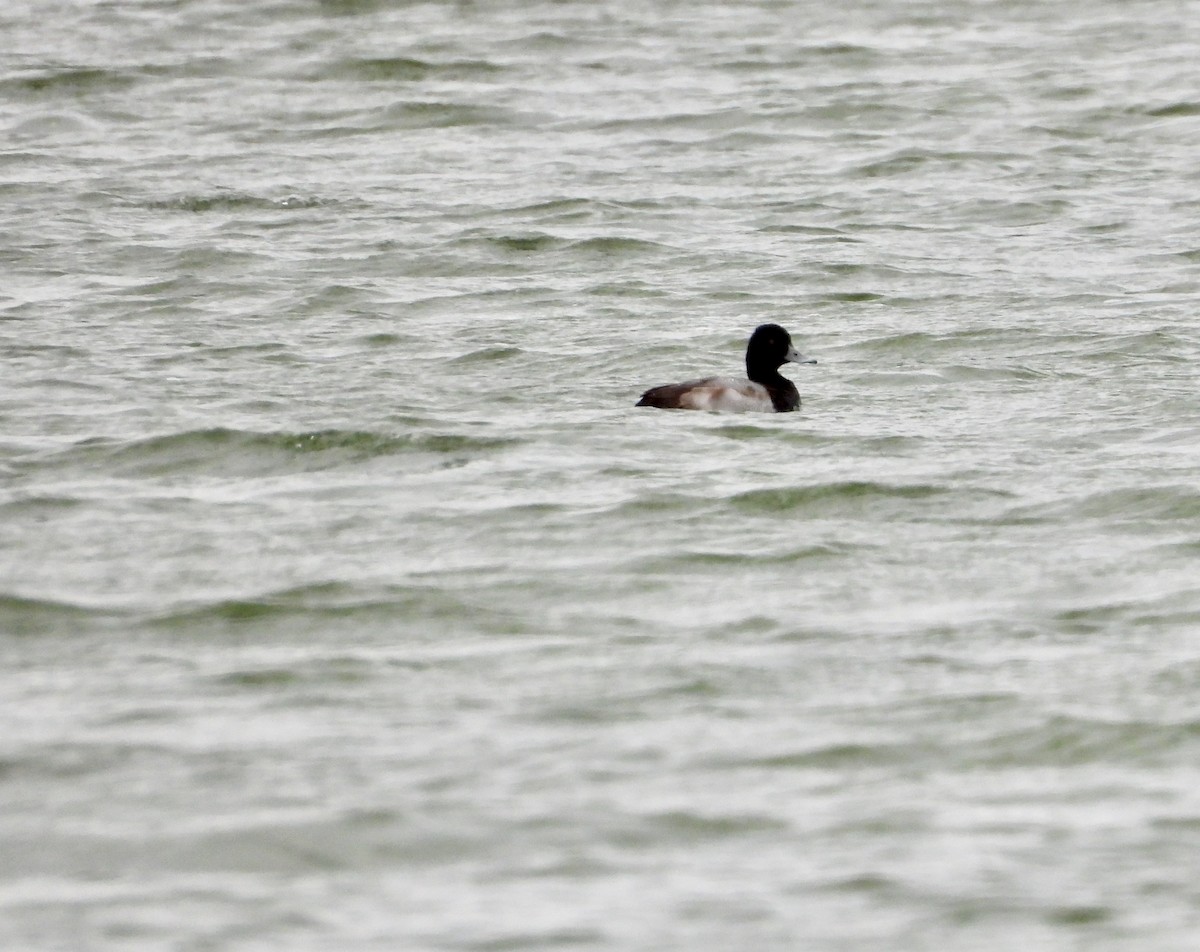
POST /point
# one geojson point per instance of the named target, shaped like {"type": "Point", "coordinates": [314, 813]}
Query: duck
{"type": "Point", "coordinates": [766, 390]}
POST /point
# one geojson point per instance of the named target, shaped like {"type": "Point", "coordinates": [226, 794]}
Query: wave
{"type": "Point", "coordinates": [604, 246]}
{"type": "Point", "coordinates": [617, 246]}
{"type": "Point", "coordinates": [918, 341]}
{"type": "Point", "coordinates": [1172, 503]}
{"type": "Point", "coordinates": [557, 209]}
{"type": "Point", "coordinates": [834, 495]}
{"type": "Point", "coordinates": [319, 604]}
{"type": "Point", "coordinates": [780, 432]}
{"type": "Point", "coordinates": [77, 80]}
{"type": "Point", "coordinates": [691, 826]}
{"type": "Point", "coordinates": [392, 69]}
{"type": "Point", "coordinates": [838, 756]}
{"type": "Point", "coordinates": [487, 355]}
{"type": "Point", "coordinates": [708, 559]}
{"type": "Point", "coordinates": [806, 54]}
{"type": "Point", "coordinates": [23, 616]}
{"type": "Point", "coordinates": [716, 121]}
{"type": "Point", "coordinates": [234, 201]}
{"type": "Point", "coordinates": [221, 451]}
{"type": "Point", "coordinates": [838, 497]}
{"type": "Point", "coordinates": [1055, 741]}
{"type": "Point", "coordinates": [1175, 109]}
{"type": "Point", "coordinates": [40, 505]}
{"type": "Point", "coordinates": [324, 605]}
{"type": "Point", "coordinates": [320, 599]}
{"type": "Point", "coordinates": [1072, 741]}
{"type": "Point", "coordinates": [437, 114]}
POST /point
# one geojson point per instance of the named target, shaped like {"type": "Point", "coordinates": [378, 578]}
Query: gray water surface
{"type": "Point", "coordinates": [347, 603]}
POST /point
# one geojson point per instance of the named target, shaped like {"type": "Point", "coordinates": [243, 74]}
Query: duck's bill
{"type": "Point", "coordinates": [795, 357]}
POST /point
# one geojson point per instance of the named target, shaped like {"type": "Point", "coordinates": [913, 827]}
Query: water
{"type": "Point", "coordinates": [346, 602]}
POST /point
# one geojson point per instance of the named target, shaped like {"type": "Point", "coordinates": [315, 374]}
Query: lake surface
{"type": "Point", "coordinates": [346, 602]}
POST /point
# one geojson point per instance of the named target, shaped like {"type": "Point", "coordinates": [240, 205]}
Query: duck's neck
{"type": "Point", "coordinates": [784, 395]}
{"type": "Point", "coordinates": [765, 373]}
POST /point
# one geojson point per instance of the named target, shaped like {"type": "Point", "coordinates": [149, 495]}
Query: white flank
{"type": "Point", "coordinates": [728, 395]}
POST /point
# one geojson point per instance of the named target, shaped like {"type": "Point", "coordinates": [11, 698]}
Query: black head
{"type": "Point", "coordinates": [769, 349]}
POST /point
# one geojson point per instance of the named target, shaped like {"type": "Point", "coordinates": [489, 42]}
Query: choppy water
{"type": "Point", "coordinates": [347, 603]}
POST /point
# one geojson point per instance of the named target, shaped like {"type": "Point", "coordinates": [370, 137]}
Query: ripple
{"type": "Point", "coordinates": [72, 80]}
{"type": "Point", "coordinates": [1073, 741]}
{"type": "Point", "coordinates": [325, 602]}
{"type": "Point", "coordinates": [1172, 110]}
{"type": "Point", "coordinates": [832, 496]}
{"type": "Point", "coordinates": [1173, 503]}
{"type": "Point", "coordinates": [231, 452]}
{"type": "Point", "coordinates": [234, 201]}
{"type": "Point", "coordinates": [487, 355]}
{"type": "Point", "coordinates": [540, 243]}
{"type": "Point", "coordinates": [38, 616]}
{"type": "Point", "coordinates": [419, 114]}
{"type": "Point", "coordinates": [392, 69]}
{"type": "Point", "coordinates": [717, 560]}
{"type": "Point", "coordinates": [691, 827]}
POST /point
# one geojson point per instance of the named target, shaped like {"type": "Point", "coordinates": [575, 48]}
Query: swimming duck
{"type": "Point", "coordinates": [766, 391]}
